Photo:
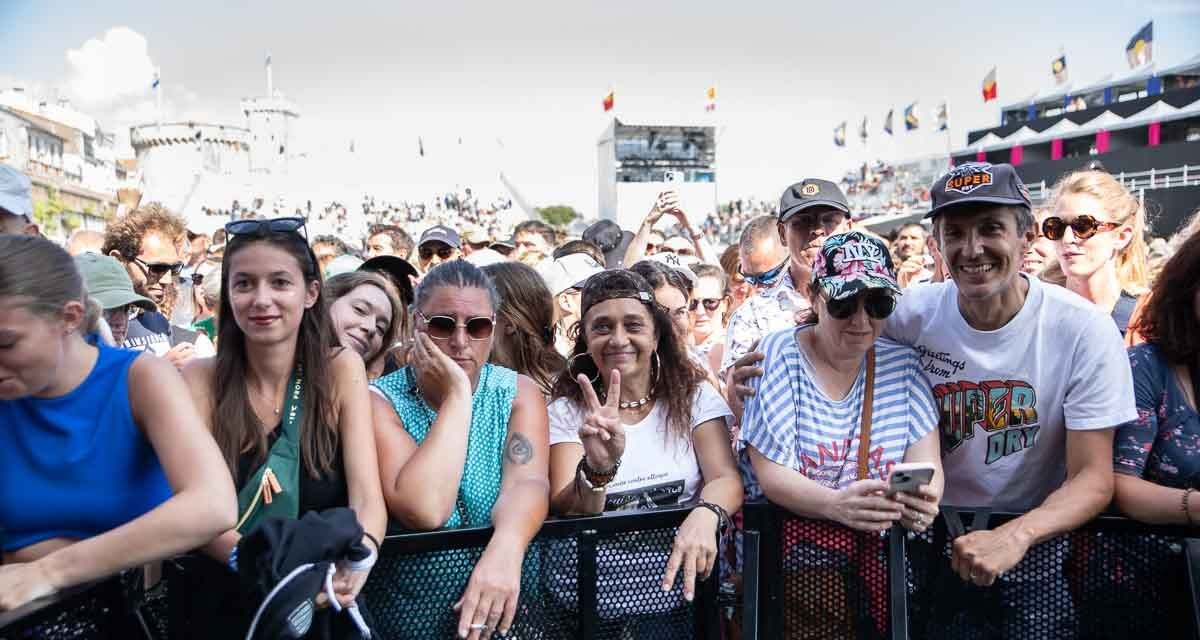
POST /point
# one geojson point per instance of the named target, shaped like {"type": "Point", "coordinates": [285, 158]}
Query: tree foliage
{"type": "Point", "coordinates": [558, 215]}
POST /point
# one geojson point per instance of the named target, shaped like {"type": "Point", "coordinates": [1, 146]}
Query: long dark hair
{"type": "Point", "coordinates": [526, 305]}
{"type": "Point", "coordinates": [675, 379]}
{"type": "Point", "coordinates": [1168, 319]}
{"type": "Point", "coordinates": [235, 427]}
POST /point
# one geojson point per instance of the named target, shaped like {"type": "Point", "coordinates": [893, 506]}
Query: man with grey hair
{"type": "Point", "coordinates": [16, 203]}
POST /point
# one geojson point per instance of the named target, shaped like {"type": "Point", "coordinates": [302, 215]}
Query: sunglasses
{"type": "Point", "coordinates": [443, 327]}
{"type": "Point", "coordinates": [766, 278]}
{"type": "Point", "coordinates": [710, 304]}
{"type": "Point", "coordinates": [829, 220]}
{"type": "Point", "coordinates": [159, 269]}
{"type": "Point", "coordinates": [878, 304]}
{"type": "Point", "coordinates": [444, 252]}
{"type": "Point", "coordinates": [262, 227]}
{"type": "Point", "coordinates": [1084, 227]}
{"type": "Point", "coordinates": [130, 311]}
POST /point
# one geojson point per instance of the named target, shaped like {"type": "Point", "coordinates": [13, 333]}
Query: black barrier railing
{"type": "Point", "coordinates": [595, 578]}
{"type": "Point", "coordinates": [1112, 578]}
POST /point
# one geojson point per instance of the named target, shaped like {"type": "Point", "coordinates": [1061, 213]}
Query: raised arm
{"type": "Point", "coordinates": [495, 584]}
{"type": "Point", "coordinates": [436, 466]}
{"type": "Point", "coordinates": [637, 247]}
{"type": "Point", "coordinates": [203, 504]}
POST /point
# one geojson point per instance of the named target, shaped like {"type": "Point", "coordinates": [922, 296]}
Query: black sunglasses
{"type": "Point", "coordinates": [766, 278]}
{"type": "Point", "coordinates": [444, 252]}
{"type": "Point", "coordinates": [160, 269]}
{"type": "Point", "coordinates": [827, 219]}
{"type": "Point", "coordinates": [261, 227]}
{"type": "Point", "coordinates": [1084, 227]}
{"type": "Point", "coordinates": [879, 304]}
{"type": "Point", "coordinates": [443, 327]}
{"type": "Point", "coordinates": [710, 304]}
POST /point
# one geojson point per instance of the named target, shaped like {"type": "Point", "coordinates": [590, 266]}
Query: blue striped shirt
{"type": "Point", "coordinates": [792, 422]}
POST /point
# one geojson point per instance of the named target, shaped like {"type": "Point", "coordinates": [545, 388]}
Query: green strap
{"type": "Point", "coordinates": [283, 460]}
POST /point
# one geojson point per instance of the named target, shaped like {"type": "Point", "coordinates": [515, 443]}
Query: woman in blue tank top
{"type": "Point", "coordinates": [463, 443]}
{"type": "Point", "coordinates": [105, 463]}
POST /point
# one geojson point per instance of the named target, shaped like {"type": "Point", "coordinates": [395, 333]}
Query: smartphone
{"type": "Point", "coordinates": [907, 476]}
{"type": "Point", "coordinates": [672, 176]}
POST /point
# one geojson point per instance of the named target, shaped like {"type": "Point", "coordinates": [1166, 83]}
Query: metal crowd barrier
{"type": "Point", "coordinates": [1112, 578]}
{"type": "Point", "coordinates": [594, 578]}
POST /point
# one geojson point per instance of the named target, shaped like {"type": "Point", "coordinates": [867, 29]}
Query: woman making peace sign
{"type": "Point", "coordinates": [657, 435]}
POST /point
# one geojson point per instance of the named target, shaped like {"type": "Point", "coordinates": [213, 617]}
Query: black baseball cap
{"type": "Point", "coordinates": [979, 183]}
{"type": "Point", "coordinates": [611, 239]}
{"type": "Point", "coordinates": [441, 233]}
{"type": "Point", "coordinates": [811, 192]}
{"type": "Point", "coordinates": [398, 270]}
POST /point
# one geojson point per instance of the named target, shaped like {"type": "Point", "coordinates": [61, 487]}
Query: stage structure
{"type": "Point", "coordinates": [638, 161]}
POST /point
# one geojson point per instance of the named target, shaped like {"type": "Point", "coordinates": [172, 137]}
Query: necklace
{"type": "Point", "coordinates": [636, 403]}
{"type": "Point", "coordinates": [274, 405]}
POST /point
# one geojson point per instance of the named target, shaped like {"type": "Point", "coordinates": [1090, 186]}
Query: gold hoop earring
{"type": "Point", "coordinates": [657, 364]}
{"type": "Point", "coordinates": [571, 367]}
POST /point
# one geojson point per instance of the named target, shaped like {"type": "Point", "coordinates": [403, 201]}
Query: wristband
{"type": "Point", "coordinates": [370, 537]}
{"type": "Point", "coordinates": [723, 520]}
{"type": "Point", "coordinates": [1184, 502]}
{"type": "Point", "coordinates": [598, 479]}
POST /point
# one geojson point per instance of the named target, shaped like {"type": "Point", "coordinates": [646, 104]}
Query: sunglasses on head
{"type": "Point", "coordinates": [443, 327]}
{"type": "Point", "coordinates": [710, 304]}
{"type": "Point", "coordinates": [262, 227]}
{"type": "Point", "coordinates": [1084, 227]}
{"type": "Point", "coordinates": [878, 304]}
{"type": "Point", "coordinates": [160, 269]}
{"type": "Point", "coordinates": [766, 278]}
{"type": "Point", "coordinates": [444, 251]}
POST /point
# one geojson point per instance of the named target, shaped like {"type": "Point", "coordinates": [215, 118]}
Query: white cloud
{"type": "Point", "coordinates": [106, 70]}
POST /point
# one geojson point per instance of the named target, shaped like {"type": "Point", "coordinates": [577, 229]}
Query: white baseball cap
{"type": "Point", "coordinates": [16, 196]}
{"type": "Point", "coordinates": [569, 271]}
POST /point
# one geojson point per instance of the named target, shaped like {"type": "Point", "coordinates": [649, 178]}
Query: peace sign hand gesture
{"type": "Point", "coordinates": [602, 434]}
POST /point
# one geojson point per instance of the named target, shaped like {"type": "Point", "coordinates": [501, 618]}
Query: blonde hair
{"type": "Point", "coordinates": [1133, 271]}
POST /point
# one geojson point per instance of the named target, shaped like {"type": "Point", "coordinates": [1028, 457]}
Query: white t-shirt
{"type": "Point", "coordinates": [1006, 397]}
{"type": "Point", "coordinates": [656, 470]}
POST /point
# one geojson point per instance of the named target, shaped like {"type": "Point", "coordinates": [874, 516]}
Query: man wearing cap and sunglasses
{"type": "Point", "coordinates": [809, 211]}
{"type": "Point", "coordinates": [16, 203]}
{"type": "Point", "coordinates": [437, 245]}
{"type": "Point", "coordinates": [1030, 380]}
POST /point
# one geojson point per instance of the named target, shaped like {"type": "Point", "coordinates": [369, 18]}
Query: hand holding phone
{"type": "Point", "coordinates": [908, 476]}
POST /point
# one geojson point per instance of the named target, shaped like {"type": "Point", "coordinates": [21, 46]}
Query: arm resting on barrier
{"type": "Point", "coordinates": [862, 505]}
{"type": "Point", "coordinates": [981, 556]}
{"type": "Point", "coordinates": [495, 584]}
{"type": "Point", "coordinates": [202, 506]}
{"type": "Point", "coordinates": [1153, 503]}
{"type": "Point", "coordinates": [695, 547]}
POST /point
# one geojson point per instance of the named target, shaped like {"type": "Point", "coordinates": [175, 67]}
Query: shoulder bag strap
{"type": "Point", "coordinates": [864, 430]}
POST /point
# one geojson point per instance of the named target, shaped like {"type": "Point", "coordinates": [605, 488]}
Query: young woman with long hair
{"type": "Point", "coordinates": [367, 316]}
{"type": "Point", "coordinates": [289, 409]}
{"type": "Point", "coordinates": [524, 338]}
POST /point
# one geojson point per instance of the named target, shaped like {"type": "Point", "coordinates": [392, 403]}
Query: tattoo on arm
{"type": "Point", "coordinates": [518, 450]}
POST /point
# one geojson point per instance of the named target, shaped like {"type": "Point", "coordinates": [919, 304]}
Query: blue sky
{"type": "Point", "coordinates": [521, 83]}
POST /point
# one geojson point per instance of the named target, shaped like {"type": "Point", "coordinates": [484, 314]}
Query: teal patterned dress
{"type": "Point", "coordinates": [410, 597]}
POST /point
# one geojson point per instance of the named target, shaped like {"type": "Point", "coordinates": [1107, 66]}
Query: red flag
{"type": "Point", "coordinates": [989, 85]}
{"type": "Point", "coordinates": [608, 100]}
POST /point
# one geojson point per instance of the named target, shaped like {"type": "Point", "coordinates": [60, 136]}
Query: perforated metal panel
{"type": "Point", "coordinates": [1089, 584]}
{"type": "Point", "coordinates": [834, 581]}
{"type": "Point", "coordinates": [630, 600]}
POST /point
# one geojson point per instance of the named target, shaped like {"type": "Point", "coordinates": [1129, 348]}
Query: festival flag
{"type": "Point", "coordinates": [420, 147]}
{"type": "Point", "coordinates": [1138, 51]}
{"type": "Point", "coordinates": [157, 81]}
{"type": "Point", "coordinates": [943, 117]}
{"type": "Point", "coordinates": [351, 145]}
{"type": "Point", "coordinates": [887, 122]}
{"type": "Point", "coordinates": [1059, 69]}
{"type": "Point", "coordinates": [839, 134]}
{"type": "Point", "coordinates": [268, 58]}
{"type": "Point", "coordinates": [711, 95]}
{"type": "Point", "coordinates": [989, 85]}
{"type": "Point", "coordinates": [862, 130]}
{"type": "Point", "coordinates": [609, 100]}
{"type": "Point", "coordinates": [910, 117]}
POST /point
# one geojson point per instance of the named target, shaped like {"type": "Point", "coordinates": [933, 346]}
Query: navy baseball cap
{"type": "Point", "coordinates": [809, 193]}
{"type": "Point", "coordinates": [979, 183]}
{"type": "Point", "coordinates": [441, 233]}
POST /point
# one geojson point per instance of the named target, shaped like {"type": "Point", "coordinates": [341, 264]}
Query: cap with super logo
{"type": "Point", "coordinates": [809, 193]}
{"type": "Point", "coordinates": [979, 183]}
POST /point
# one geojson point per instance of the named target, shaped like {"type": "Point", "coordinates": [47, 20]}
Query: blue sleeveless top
{"type": "Point", "coordinates": [76, 466]}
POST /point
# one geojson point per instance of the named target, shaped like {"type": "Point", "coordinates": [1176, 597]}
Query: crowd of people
{"type": "Point", "coordinates": [167, 392]}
